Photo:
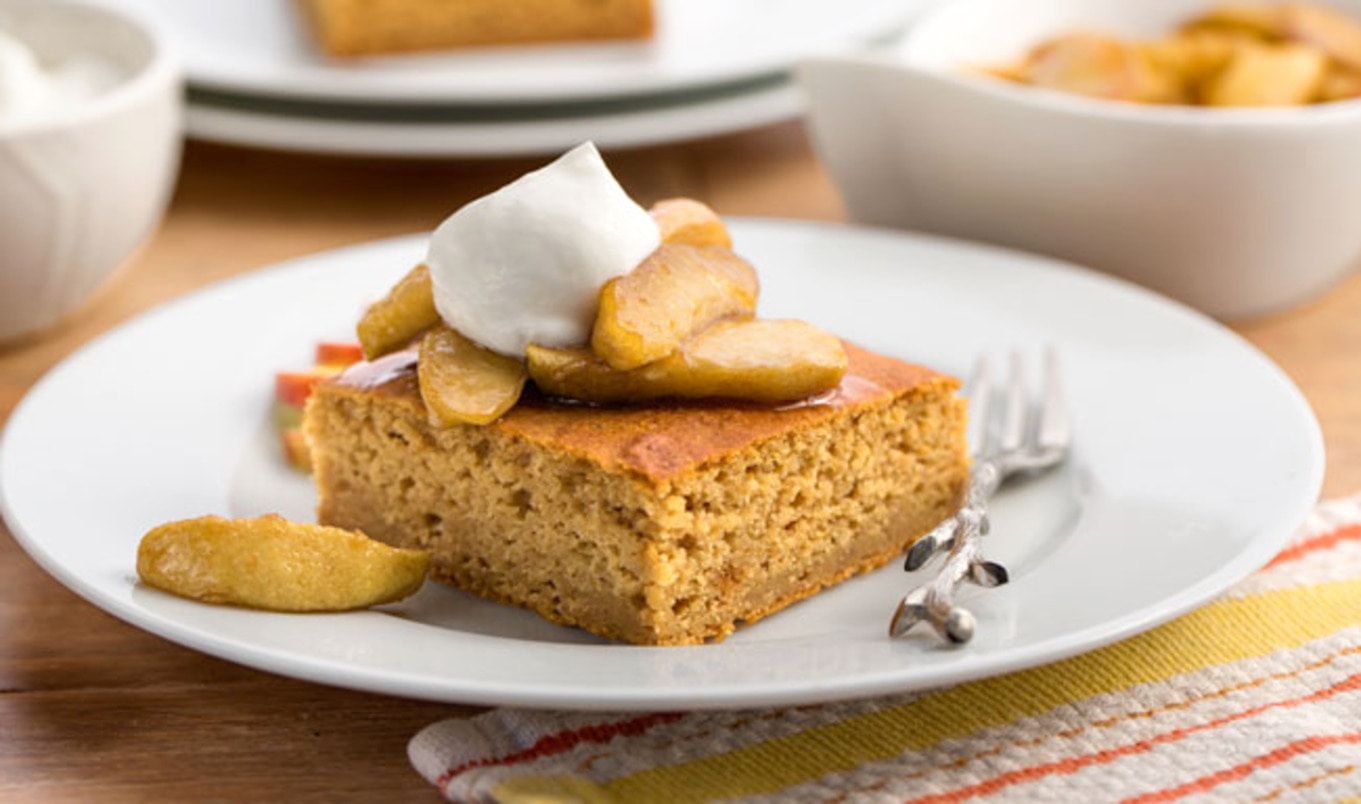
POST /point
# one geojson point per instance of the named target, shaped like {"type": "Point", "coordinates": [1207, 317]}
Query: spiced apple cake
{"type": "Point", "coordinates": [665, 523]}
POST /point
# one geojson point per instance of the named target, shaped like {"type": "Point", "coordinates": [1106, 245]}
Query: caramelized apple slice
{"type": "Point", "coordinates": [276, 564]}
{"type": "Point", "coordinates": [763, 361]}
{"type": "Point", "coordinates": [1329, 30]}
{"type": "Point", "coordinates": [462, 383]}
{"type": "Point", "coordinates": [1014, 72]}
{"type": "Point", "coordinates": [297, 452]}
{"type": "Point", "coordinates": [1340, 85]}
{"type": "Point", "coordinates": [768, 361]}
{"type": "Point", "coordinates": [405, 312]}
{"type": "Point", "coordinates": [1268, 75]}
{"type": "Point", "coordinates": [576, 372]}
{"type": "Point", "coordinates": [1190, 59]}
{"type": "Point", "coordinates": [1262, 21]}
{"type": "Point", "coordinates": [1096, 66]}
{"type": "Point", "coordinates": [684, 220]}
{"type": "Point", "coordinates": [649, 312]}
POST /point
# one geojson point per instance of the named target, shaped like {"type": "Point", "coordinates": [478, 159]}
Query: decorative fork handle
{"type": "Point", "coordinates": [962, 535]}
{"type": "Point", "coordinates": [984, 480]}
{"type": "Point", "coordinates": [1014, 447]}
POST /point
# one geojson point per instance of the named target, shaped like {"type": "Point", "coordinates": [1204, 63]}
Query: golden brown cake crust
{"type": "Point", "coordinates": [660, 441]}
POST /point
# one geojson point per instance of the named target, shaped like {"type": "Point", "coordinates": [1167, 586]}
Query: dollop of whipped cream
{"type": "Point", "coordinates": [30, 91]}
{"type": "Point", "coordinates": [525, 264]}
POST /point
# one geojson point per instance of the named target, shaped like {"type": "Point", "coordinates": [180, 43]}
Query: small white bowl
{"type": "Point", "coordinates": [1236, 212]}
{"type": "Point", "coordinates": [80, 189]}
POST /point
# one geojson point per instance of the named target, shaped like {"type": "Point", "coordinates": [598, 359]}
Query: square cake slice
{"type": "Point", "coordinates": [664, 524]}
{"type": "Point", "coordinates": [377, 27]}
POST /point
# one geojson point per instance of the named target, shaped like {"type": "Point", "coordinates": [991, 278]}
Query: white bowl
{"type": "Point", "coordinates": [1236, 212]}
{"type": "Point", "coordinates": [82, 188]}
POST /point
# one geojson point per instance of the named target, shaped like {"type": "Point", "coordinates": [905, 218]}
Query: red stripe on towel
{"type": "Point", "coordinates": [564, 741]}
{"type": "Point", "coordinates": [1282, 754]}
{"type": "Point", "coordinates": [1323, 542]}
{"type": "Point", "coordinates": [1074, 764]}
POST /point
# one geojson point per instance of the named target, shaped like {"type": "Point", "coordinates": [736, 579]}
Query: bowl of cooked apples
{"type": "Point", "coordinates": [1209, 152]}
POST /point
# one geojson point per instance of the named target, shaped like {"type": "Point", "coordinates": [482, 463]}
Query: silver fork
{"type": "Point", "coordinates": [1002, 449]}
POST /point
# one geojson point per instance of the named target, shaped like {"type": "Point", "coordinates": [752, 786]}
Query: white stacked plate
{"type": "Point", "coordinates": [714, 66]}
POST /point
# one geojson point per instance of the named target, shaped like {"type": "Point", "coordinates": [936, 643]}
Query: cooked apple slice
{"type": "Point", "coordinates": [1268, 75]}
{"type": "Point", "coordinates": [291, 390]}
{"type": "Point", "coordinates": [462, 383]}
{"type": "Point", "coordinates": [405, 312]}
{"type": "Point", "coordinates": [293, 387]}
{"type": "Point", "coordinates": [1097, 66]}
{"type": "Point", "coordinates": [768, 361]}
{"type": "Point", "coordinates": [684, 220]}
{"type": "Point", "coordinates": [762, 361]}
{"type": "Point", "coordinates": [338, 354]}
{"type": "Point", "coordinates": [1329, 30]}
{"type": "Point", "coordinates": [1340, 84]}
{"type": "Point", "coordinates": [276, 564]}
{"type": "Point", "coordinates": [1191, 58]}
{"type": "Point", "coordinates": [297, 452]}
{"type": "Point", "coordinates": [576, 372]}
{"type": "Point", "coordinates": [649, 312]}
{"type": "Point", "coordinates": [1262, 21]}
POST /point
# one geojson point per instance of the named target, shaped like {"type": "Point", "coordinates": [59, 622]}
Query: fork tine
{"type": "Point", "coordinates": [1054, 429]}
{"type": "Point", "coordinates": [979, 391]}
{"type": "Point", "coordinates": [1014, 409]}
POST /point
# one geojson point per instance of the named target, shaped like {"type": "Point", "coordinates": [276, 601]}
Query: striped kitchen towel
{"type": "Point", "coordinates": [1256, 696]}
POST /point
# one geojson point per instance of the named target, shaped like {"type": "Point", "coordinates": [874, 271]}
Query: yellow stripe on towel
{"type": "Point", "coordinates": [1222, 632]}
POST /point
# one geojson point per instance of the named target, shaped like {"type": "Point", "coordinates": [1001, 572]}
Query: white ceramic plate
{"type": "Point", "coordinates": [443, 137]}
{"type": "Point", "coordinates": [261, 47]}
{"type": "Point", "coordinates": [1195, 458]}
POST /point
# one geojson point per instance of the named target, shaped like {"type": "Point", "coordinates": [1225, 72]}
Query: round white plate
{"type": "Point", "coordinates": [1195, 458]}
{"type": "Point", "coordinates": [617, 128]}
{"type": "Point", "coordinates": [262, 47]}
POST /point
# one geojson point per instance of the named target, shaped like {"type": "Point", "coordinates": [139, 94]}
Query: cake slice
{"type": "Point", "coordinates": [372, 27]}
{"type": "Point", "coordinates": [664, 524]}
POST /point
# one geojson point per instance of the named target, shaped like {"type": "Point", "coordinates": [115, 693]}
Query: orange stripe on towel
{"type": "Point", "coordinates": [563, 741]}
{"type": "Point", "coordinates": [1074, 764]}
{"type": "Point", "coordinates": [1324, 542]}
{"type": "Point", "coordinates": [1286, 752]}
{"type": "Point", "coordinates": [1259, 625]}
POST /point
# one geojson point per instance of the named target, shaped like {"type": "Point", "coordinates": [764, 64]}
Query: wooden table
{"type": "Point", "coordinates": [93, 709]}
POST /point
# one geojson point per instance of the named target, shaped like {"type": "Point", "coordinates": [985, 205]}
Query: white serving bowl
{"type": "Point", "coordinates": [1236, 212]}
{"type": "Point", "coordinates": [80, 189]}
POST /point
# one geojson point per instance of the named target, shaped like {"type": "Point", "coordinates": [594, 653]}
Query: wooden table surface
{"type": "Point", "coordinates": [93, 709]}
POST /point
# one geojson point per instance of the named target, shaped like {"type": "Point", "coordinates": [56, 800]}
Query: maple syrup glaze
{"type": "Point", "coordinates": [369, 375]}
{"type": "Point", "coordinates": [396, 374]}
{"type": "Point", "coordinates": [852, 389]}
